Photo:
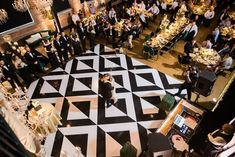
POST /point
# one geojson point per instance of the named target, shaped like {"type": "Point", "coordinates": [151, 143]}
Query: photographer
{"type": "Point", "coordinates": [191, 77]}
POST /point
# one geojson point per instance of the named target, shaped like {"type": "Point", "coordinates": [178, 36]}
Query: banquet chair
{"type": "Point", "coordinates": [147, 37]}
{"type": "Point", "coordinates": [128, 150]}
{"type": "Point", "coordinates": [167, 47]}
{"type": "Point", "coordinates": [226, 72]}
{"type": "Point", "coordinates": [149, 51]}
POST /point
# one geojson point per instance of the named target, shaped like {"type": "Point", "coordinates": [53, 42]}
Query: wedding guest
{"type": "Point", "coordinates": [218, 138]}
{"type": "Point", "coordinates": [92, 9]}
{"type": "Point", "coordinates": [50, 53]}
{"type": "Point", "coordinates": [112, 16]}
{"type": "Point", "coordinates": [226, 22]}
{"type": "Point", "coordinates": [10, 74]}
{"type": "Point", "coordinates": [122, 12]}
{"type": "Point", "coordinates": [137, 28]}
{"type": "Point", "coordinates": [22, 67]}
{"type": "Point", "coordinates": [129, 32]}
{"type": "Point", "coordinates": [142, 5]}
{"type": "Point", "coordinates": [154, 10]}
{"type": "Point", "coordinates": [224, 50]}
{"type": "Point", "coordinates": [33, 62]}
{"type": "Point", "coordinates": [209, 15]}
{"type": "Point", "coordinates": [143, 20]}
{"type": "Point", "coordinates": [134, 4]}
{"type": "Point", "coordinates": [175, 5]}
{"type": "Point", "coordinates": [207, 43]}
{"type": "Point", "coordinates": [65, 43]}
{"type": "Point", "coordinates": [75, 18]}
{"type": "Point", "coordinates": [223, 15]}
{"type": "Point", "coordinates": [189, 46]}
{"type": "Point", "coordinates": [125, 30]}
{"type": "Point", "coordinates": [157, 2]}
{"type": "Point", "coordinates": [63, 57]}
{"type": "Point", "coordinates": [215, 35]}
{"type": "Point", "coordinates": [75, 42]}
{"type": "Point", "coordinates": [198, 19]}
{"type": "Point", "coordinates": [191, 77]}
{"type": "Point", "coordinates": [225, 64]}
{"type": "Point", "coordinates": [183, 7]}
{"type": "Point", "coordinates": [91, 34]}
{"type": "Point", "coordinates": [82, 36]}
{"type": "Point", "coordinates": [163, 6]}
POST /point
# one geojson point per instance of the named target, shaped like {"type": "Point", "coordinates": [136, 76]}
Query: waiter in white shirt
{"type": "Point", "coordinates": [174, 5]}
{"type": "Point", "coordinates": [190, 31]}
{"type": "Point", "coordinates": [142, 5]}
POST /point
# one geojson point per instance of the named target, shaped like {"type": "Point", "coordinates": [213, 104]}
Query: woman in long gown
{"type": "Point", "coordinates": [22, 67]}
{"type": "Point", "coordinates": [75, 42]}
{"type": "Point", "coordinates": [51, 53]}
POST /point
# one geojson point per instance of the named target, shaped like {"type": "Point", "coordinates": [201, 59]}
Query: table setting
{"type": "Point", "coordinates": [167, 34]}
{"type": "Point", "coordinates": [43, 118]}
{"type": "Point", "coordinates": [228, 33]}
{"type": "Point", "coordinates": [199, 9]}
{"type": "Point", "coordinates": [205, 56]}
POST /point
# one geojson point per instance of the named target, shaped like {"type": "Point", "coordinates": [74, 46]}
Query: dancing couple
{"type": "Point", "coordinates": [107, 89]}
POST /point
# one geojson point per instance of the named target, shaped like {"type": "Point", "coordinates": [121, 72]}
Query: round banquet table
{"type": "Point", "coordinates": [205, 57]}
{"type": "Point", "coordinates": [45, 120]}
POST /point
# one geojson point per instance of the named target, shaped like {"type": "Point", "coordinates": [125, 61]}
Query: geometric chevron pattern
{"type": "Point", "coordinates": [100, 131]}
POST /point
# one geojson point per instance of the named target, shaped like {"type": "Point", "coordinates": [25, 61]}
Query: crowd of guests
{"type": "Point", "coordinates": [105, 23]}
{"type": "Point", "coordinates": [20, 69]}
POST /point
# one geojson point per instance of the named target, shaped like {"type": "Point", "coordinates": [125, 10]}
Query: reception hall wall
{"type": "Point", "coordinates": [41, 22]}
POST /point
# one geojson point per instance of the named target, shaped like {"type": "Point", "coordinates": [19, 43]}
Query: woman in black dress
{"type": "Point", "coordinates": [75, 42]}
{"type": "Point", "coordinates": [51, 53]}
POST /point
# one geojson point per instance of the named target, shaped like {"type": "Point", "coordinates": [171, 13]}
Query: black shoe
{"type": "Point", "coordinates": [109, 105]}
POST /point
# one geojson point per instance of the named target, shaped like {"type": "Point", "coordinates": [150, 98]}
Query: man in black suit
{"type": "Point", "coordinates": [82, 35]}
{"type": "Point", "coordinates": [191, 78]}
{"type": "Point", "coordinates": [189, 46]}
{"type": "Point", "coordinates": [33, 62]}
{"type": "Point", "coordinates": [65, 43]}
{"type": "Point", "coordinates": [59, 48]}
{"type": "Point", "coordinates": [10, 74]}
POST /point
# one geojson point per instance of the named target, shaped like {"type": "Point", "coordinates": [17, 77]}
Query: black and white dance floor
{"type": "Point", "coordinates": [100, 131]}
